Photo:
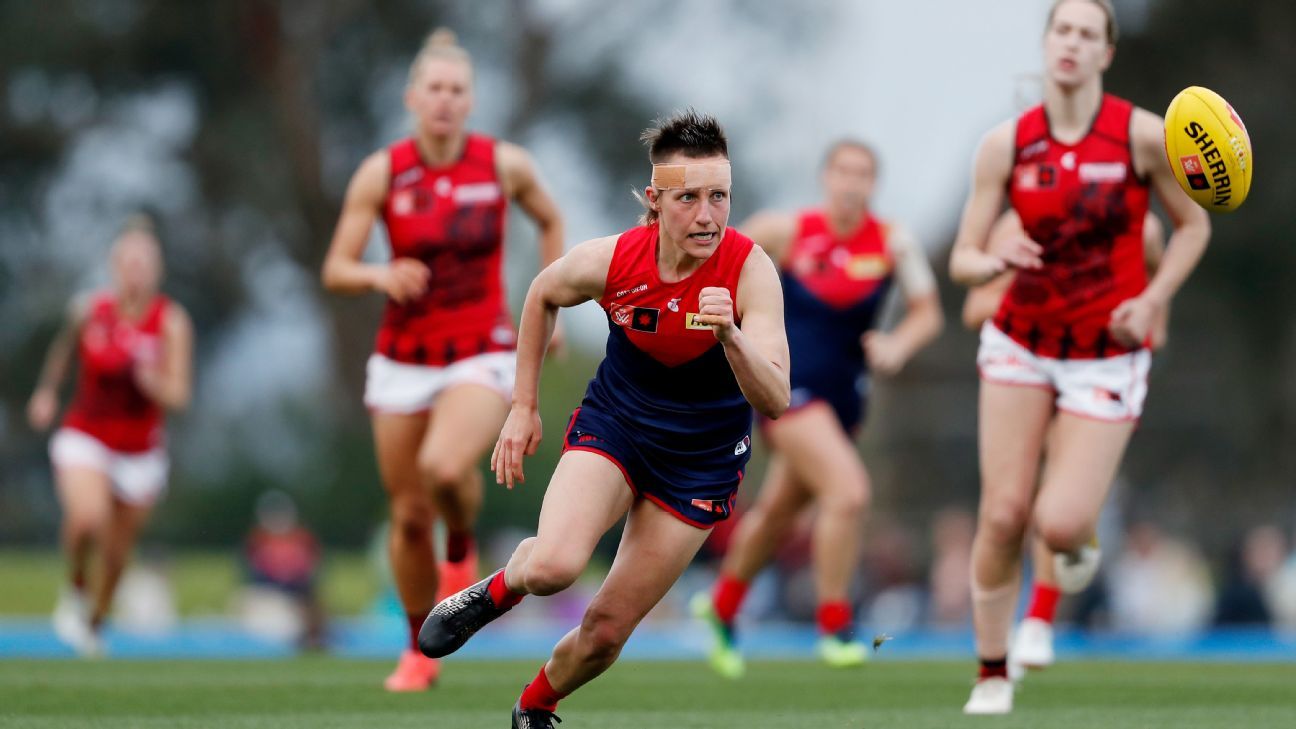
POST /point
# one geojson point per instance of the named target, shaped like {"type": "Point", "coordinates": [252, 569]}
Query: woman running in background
{"type": "Point", "coordinates": [1032, 645]}
{"type": "Point", "coordinates": [134, 348]}
{"type": "Point", "coordinates": [439, 381]}
{"type": "Point", "coordinates": [837, 266]}
{"type": "Point", "coordinates": [1065, 357]}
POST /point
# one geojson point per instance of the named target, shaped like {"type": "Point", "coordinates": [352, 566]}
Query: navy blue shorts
{"type": "Point", "coordinates": [848, 399]}
{"type": "Point", "coordinates": [698, 490]}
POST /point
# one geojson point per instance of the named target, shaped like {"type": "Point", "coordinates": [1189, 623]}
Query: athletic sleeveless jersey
{"type": "Point", "coordinates": [833, 289]}
{"type": "Point", "coordinates": [452, 219]}
{"type": "Point", "coordinates": [1084, 204]}
{"type": "Point", "coordinates": [665, 379]}
{"type": "Point", "coordinates": [108, 404]}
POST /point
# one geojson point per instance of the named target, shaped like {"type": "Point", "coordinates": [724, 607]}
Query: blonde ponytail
{"type": "Point", "coordinates": [441, 43]}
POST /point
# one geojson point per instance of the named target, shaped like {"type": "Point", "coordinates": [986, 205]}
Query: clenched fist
{"type": "Point", "coordinates": [715, 309]}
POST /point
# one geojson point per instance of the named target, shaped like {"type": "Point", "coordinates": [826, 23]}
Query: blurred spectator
{"type": "Point", "coordinates": [794, 572]}
{"type": "Point", "coordinates": [1159, 585]}
{"type": "Point", "coordinates": [145, 603]}
{"type": "Point", "coordinates": [1253, 566]}
{"type": "Point", "coordinates": [890, 566]}
{"type": "Point", "coordinates": [1281, 592]}
{"type": "Point", "coordinates": [282, 561]}
{"type": "Point", "coordinates": [951, 597]}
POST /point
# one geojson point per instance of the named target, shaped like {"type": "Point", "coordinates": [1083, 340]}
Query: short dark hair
{"type": "Point", "coordinates": [686, 132]}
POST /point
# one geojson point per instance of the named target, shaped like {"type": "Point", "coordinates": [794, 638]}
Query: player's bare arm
{"type": "Point", "coordinates": [573, 279]}
{"type": "Point", "coordinates": [169, 383]}
{"type": "Point", "coordinates": [522, 184]}
{"type": "Point", "coordinates": [772, 231]}
{"type": "Point", "coordinates": [888, 352]}
{"type": "Point", "coordinates": [758, 350]}
{"type": "Point", "coordinates": [43, 405]}
{"type": "Point", "coordinates": [1133, 320]}
{"type": "Point", "coordinates": [982, 301]}
{"type": "Point", "coordinates": [404, 279]}
{"type": "Point", "coordinates": [973, 261]}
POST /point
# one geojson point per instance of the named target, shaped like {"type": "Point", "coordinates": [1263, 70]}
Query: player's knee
{"type": "Point", "coordinates": [84, 525]}
{"type": "Point", "coordinates": [850, 500]}
{"type": "Point", "coordinates": [114, 559]}
{"type": "Point", "coordinates": [548, 575]}
{"type": "Point", "coordinates": [1004, 522]}
{"type": "Point", "coordinates": [439, 473]}
{"type": "Point", "coordinates": [411, 520]}
{"type": "Point", "coordinates": [1064, 533]}
{"type": "Point", "coordinates": [603, 635]}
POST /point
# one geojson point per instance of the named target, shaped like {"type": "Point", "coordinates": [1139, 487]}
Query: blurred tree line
{"type": "Point", "coordinates": [238, 123]}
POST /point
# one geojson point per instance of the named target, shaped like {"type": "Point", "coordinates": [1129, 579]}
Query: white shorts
{"type": "Point", "coordinates": [400, 388]}
{"type": "Point", "coordinates": [137, 478]}
{"type": "Point", "coordinates": [1108, 388]}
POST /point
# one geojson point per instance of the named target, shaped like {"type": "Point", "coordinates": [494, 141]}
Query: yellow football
{"type": "Point", "coordinates": [1209, 150]}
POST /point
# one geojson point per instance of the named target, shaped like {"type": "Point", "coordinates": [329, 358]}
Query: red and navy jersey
{"type": "Point", "coordinates": [108, 404]}
{"type": "Point", "coordinates": [1084, 204]}
{"type": "Point", "coordinates": [665, 377]}
{"type": "Point", "coordinates": [833, 290]}
{"type": "Point", "coordinates": [452, 219]}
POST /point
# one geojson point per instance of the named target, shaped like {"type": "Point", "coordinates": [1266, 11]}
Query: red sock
{"type": "Point", "coordinates": [540, 695]}
{"type": "Point", "coordinates": [458, 545]}
{"type": "Point", "coordinates": [997, 668]}
{"type": "Point", "coordinates": [415, 622]}
{"type": "Point", "coordinates": [728, 597]}
{"type": "Point", "coordinates": [1044, 602]}
{"type": "Point", "coordinates": [833, 617]}
{"type": "Point", "coordinates": [500, 594]}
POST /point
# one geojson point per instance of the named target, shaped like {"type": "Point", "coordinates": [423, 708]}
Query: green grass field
{"type": "Point", "coordinates": [318, 693]}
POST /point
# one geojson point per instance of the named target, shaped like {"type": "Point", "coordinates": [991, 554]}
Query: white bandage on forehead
{"type": "Point", "coordinates": [694, 176]}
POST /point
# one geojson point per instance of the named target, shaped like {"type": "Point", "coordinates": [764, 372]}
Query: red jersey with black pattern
{"type": "Point", "coordinates": [1084, 204]}
{"type": "Point", "coordinates": [108, 404]}
{"type": "Point", "coordinates": [452, 219]}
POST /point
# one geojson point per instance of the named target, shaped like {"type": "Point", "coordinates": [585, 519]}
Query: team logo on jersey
{"type": "Point", "coordinates": [673, 304]}
{"type": "Point", "coordinates": [403, 202]}
{"type": "Point", "coordinates": [1192, 167]}
{"type": "Point", "coordinates": [1102, 171]}
{"type": "Point", "coordinates": [638, 318]}
{"type": "Point", "coordinates": [691, 322]}
{"type": "Point", "coordinates": [1069, 161]}
{"type": "Point", "coordinates": [1035, 177]}
{"type": "Point", "coordinates": [443, 187]}
{"type": "Point", "coordinates": [410, 201]}
{"type": "Point", "coordinates": [867, 266]}
{"type": "Point", "coordinates": [645, 319]}
{"type": "Point", "coordinates": [743, 445]}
